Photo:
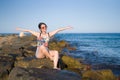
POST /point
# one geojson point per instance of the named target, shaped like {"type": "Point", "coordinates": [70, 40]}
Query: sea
{"type": "Point", "coordinates": [99, 50]}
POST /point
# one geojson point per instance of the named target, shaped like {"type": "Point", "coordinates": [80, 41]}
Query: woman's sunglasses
{"type": "Point", "coordinates": [43, 27]}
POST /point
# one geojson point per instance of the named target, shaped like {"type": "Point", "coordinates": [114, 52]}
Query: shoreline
{"type": "Point", "coordinates": [13, 41]}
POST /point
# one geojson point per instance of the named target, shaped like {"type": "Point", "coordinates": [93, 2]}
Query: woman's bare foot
{"type": "Point", "coordinates": [56, 68]}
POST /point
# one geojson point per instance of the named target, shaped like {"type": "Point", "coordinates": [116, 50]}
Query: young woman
{"type": "Point", "coordinates": [42, 42]}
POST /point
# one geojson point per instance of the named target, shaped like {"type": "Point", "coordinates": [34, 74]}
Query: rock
{"type": "Point", "coordinates": [76, 70]}
{"type": "Point", "coordinates": [27, 52]}
{"type": "Point", "coordinates": [18, 58]}
{"type": "Point", "coordinates": [72, 63]}
{"type": "Point", "coordinates": [65, 62]}
{"type": "Point", "coordinates": [98, 75]}
{"type": "Point", "coordinates": [12, 44]}
{"type": "Point", "coordinates": [53, 46]}
{"type": "Point", "coordinates": [62, 43]}
{"type": "Point", "coordinates": [6, 64]}
{"type": "Point", "coordinates": [42, 74]}
{"type": "Point", "coordinates": [31, 62]}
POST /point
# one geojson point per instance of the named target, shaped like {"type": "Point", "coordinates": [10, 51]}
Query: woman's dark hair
{"type": "Point", "coordinates": [39, 25]}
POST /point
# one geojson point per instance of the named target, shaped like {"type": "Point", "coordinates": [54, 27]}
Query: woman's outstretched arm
{"type": "Point", "coordinates": [30, 31]}
{"type": "Point", "coordinates": [58, 30]}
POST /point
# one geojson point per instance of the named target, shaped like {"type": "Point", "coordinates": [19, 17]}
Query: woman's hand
{"type": "Point", "coordinates": [69, 27]}
{"type": "Point", "coordinates": [20, 29]}
{"type": "Point", "coordinates": [30, 31]}
{"type": "Point", "coordinates": [58, 30]}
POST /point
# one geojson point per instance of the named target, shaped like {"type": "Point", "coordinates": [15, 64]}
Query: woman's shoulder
{"type": "Point", "coordinates": [38, 34]}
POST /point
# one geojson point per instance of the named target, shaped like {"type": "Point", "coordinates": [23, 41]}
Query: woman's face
{"type": "Point", "coordinates": [43, 28]}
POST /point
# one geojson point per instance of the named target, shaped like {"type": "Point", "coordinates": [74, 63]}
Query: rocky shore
{"type": "Point", "coordinates": [17, 62]}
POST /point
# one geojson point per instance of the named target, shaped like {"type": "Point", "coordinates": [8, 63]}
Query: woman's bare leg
{"type": "Point", "coordinates": [39, 53]}
{"type": "Point", "coordinates": [55, 56]}
{"type": "Point", "coordinates": [45, 52]}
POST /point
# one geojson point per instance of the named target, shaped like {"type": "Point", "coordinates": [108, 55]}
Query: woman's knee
{"type": "Point", "coordinates": [40, 56]}
{"type": "Point", "coordinates": [56, 52]}
{"type": "Point", "coordinates": [42, 47]}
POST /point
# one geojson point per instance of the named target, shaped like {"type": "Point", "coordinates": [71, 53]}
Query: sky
{"type": "Point", "coordinates": [85, 16]}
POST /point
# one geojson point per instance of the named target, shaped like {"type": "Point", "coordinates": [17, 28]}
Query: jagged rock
{"type": "Point", "coordinates": [6, 64]}
{"type": "Point", "coordinates": [32, 62]}
{"type": "Point", "coordinates": [65, 62]}
{"type": "Point", "coordinates": [42, 74]}
{"type": "Point", "coordinates": [53, 46]}
{"type": "Point", "coordinates": [98, 75]}
{"type": "Point", "coordinates": [72, 63]}
{"type": "Point", "coordinates": [62, 43]}
{"type": "Point", "coordinates": [12, 44]}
